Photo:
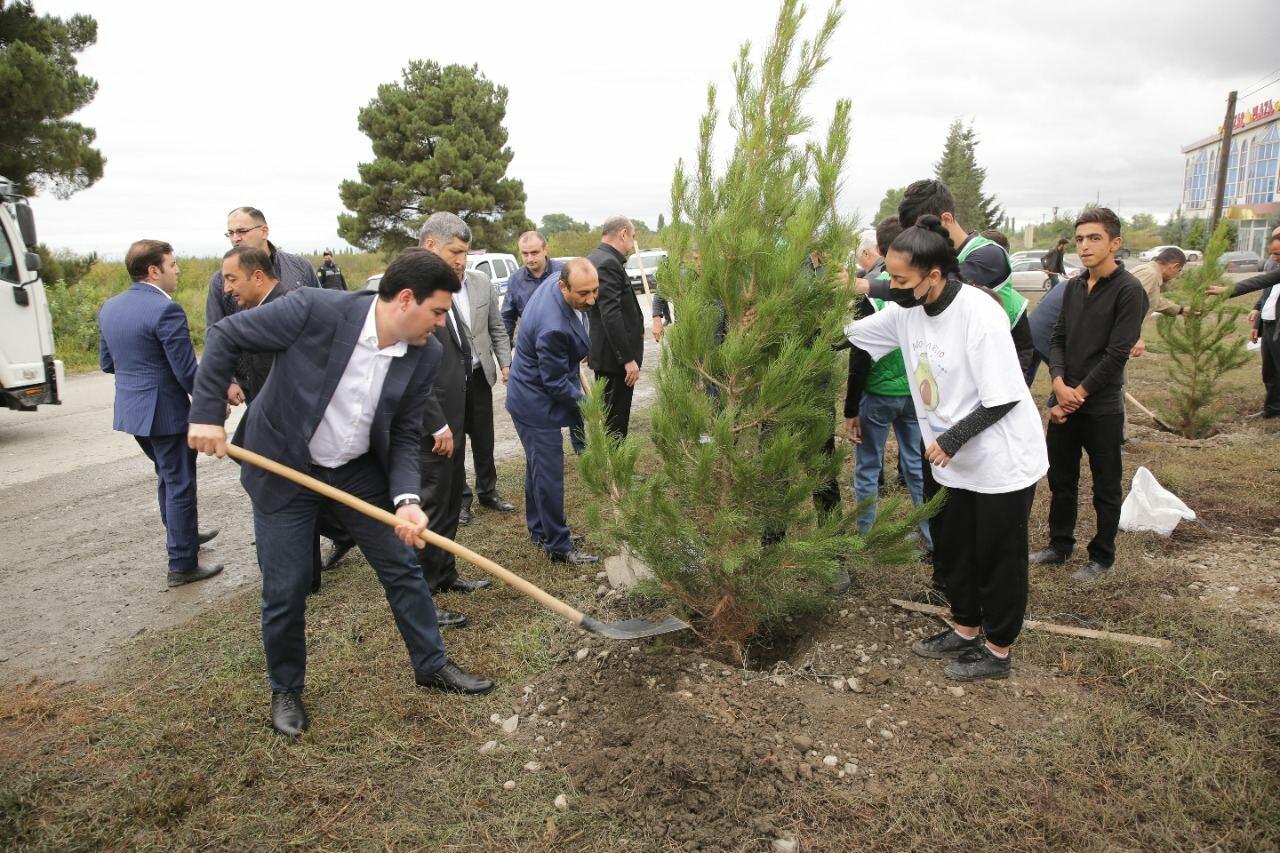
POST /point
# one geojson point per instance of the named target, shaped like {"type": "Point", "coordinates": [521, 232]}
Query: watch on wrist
{"type": "Point", "coordinates": [407, 502]}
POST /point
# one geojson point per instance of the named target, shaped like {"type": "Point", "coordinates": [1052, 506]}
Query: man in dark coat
{"type": "Point", "coordinates": [617, 324]}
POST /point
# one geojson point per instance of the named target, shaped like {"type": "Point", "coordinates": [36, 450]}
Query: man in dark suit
{"type": "Point", "coordinates": [617, 324]}
{"type": "Point", "coordinates": [249, 277]}
{"type": "Point", "coordinates": [344, 403]}
{"type": "Point", "coordinates": [1265, 319]}
{"type": "Point", "coordinates": [145, 343]}
{"type": "Point", "coordinates": [543, 396]}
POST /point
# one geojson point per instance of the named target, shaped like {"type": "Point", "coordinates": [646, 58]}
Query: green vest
{"type": "Point", "coordinates": [1015, 304]}
{"type": "Point", "coordinates": [888, 376]}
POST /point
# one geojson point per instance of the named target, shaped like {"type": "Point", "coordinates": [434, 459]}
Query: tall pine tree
{"type": "Point", "coordinates": [959, 170]}
{"type": "Point", "coordinates": [438, 144]}
{"type": "Point", "coordinates": [747, 385]}
{"type": "Point", "coordinates": [1203, 344]}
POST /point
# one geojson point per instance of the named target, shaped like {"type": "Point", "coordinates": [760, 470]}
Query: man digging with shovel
{"type": "Point", "coordinates": [351, 375]}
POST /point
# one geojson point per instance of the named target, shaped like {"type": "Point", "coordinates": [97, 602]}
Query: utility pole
{"type": "Point", "coordinates": [1224, 157]}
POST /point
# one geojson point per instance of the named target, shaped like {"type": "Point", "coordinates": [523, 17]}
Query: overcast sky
{"type": "Point", "coordinates": [206, 106]}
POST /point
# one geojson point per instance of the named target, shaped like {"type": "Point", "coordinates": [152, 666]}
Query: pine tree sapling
{"type": "Point", "coordinates": [747, 384]}
{"type": "Point", "coordinates": [438, 144]}
{"type": "Point", "coordinates": [1203, 343]}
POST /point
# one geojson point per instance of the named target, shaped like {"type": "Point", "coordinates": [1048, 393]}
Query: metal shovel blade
{"type": "Point", "coordinates": [632, 629]}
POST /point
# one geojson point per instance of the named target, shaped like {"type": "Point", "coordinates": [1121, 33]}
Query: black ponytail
{"type": "Point", "coordinates": [929, 245]}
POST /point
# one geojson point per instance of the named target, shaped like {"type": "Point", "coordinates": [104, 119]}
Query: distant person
{"type": "Point", "coordinates": [352, 372]}
{"type": "Point", "coordinates": [145, 342]}
{"type": "Point", "coordinates": [1100, 323]}
{"type": "Point", "coordinates": [617, 324]}
{"type": "Point", "coordinates": [661, 308]}
{"type": "Point", "coordinates": [984, 442]}
{"type": "Point", "coordinates": [543, 397]}
{"type": "Point", "coordinates": [524, 281]}
{"type": "Point", "coordinates": [1054, 262]}
{"type": "Point", "coordinates": [444, 437]}
{"type": "Point", "coordinates": [329, 275]}
{"type": "Point", "coordinates": [1266, 324]}
{"type": "Point", "coordinates": [868, 256]}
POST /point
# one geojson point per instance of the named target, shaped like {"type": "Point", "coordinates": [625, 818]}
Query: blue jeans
{"type": "Point", "coordinates": [878, 414]}
{"type": "Point", "coordinates": [285, 541]}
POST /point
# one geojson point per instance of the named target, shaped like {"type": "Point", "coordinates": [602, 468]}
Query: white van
{"type": "Point", "coordinates": [496, 265]}
{"type": "Point", "coordinates": [29, 374]}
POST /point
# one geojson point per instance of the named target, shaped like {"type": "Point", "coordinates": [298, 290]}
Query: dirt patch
{"type": "Point", "coordinates": [697, 755]}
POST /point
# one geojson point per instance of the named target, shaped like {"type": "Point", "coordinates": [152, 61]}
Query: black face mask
{"type": "Point", "coordinates": [906, 296]}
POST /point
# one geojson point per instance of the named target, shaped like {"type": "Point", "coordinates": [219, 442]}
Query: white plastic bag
{"type": "Point", "coordinates": [1150, 506]}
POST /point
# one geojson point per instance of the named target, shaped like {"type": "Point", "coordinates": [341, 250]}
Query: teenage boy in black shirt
{"type": "Point", "coordinates": [1101, 320]}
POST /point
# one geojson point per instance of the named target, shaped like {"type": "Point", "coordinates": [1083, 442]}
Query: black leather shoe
{"type": "Point", "coordinates": [461, 584]}
{"type": "Point", "coordinates": [573, 558]}
{"type": "Point", "coordinates": [288, 717]}
{"type": "Point", "coordinates": [449, 619]}
{"type": "Point", "coordinates": [1046, 557]}
{"type": "Point", "coordinates": [199, 573]}
{"type": "Point", "coordinates": [497, 503]}
{"type": "Point", "coordinates": [452, 678]}
{"type": "Point", "coordinates": [339, 551]}
{"type": "Point", "coordinates": [206, 535]}
{"type": "Point", "coordinates": [1091, 571]}
{"type": "Point", "coordinates": [465, 516]}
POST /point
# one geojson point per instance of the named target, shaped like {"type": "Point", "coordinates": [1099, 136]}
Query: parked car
{"type": "Point", "coordinates": [651, 259]}
{"type": "Point", "coordinates": [372, 282]}
{"type": "Point", "coordinates": [1241, 261]}
{"type": "Point", "coordinates": [1030, 277]}
{"type": "Point", "coordinates": [1028, 253]}
{"type": "Point", "coordinates": [496, 265]}
{"type": "Point", "coordinates": [1150, 254]}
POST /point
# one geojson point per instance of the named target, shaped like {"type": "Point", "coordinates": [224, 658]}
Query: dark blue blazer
{"type": "Point", "coordinates": [144, 340]}
{"type": "Point", "coordinates": [544, 387]}
{"type": "Point", "coordinates": [312, 334]}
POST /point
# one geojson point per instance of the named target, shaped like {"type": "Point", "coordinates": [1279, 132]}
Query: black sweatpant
{"type": "Point", "coordinates": [984, 538]}
{"type": "Point", "coordinates": [617, 402]}
{"type": "Point", "coordinates": [931, 488]}
{"type": "Point", "coordinates": [1270, 368]}
{"type": "Point", "coordinates": [1100, 436]}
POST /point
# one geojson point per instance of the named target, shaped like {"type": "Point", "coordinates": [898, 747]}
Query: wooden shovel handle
{"type": "Point", "coordinates": [511, 579]}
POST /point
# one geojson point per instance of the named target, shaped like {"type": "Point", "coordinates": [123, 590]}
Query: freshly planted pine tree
{"type": "Point", "coordinates": [747, 384]}
{"type": "Point", "coordinates": [1203, 344]}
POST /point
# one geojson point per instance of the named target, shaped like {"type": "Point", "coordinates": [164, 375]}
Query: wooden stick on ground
{"type": "Point", "coordinates": [1049, 627]}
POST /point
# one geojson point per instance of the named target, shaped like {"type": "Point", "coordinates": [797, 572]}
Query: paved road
{"type": "Point", "coordinates": [84, 556]}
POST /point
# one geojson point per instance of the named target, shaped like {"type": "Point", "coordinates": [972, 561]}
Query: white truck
{"type": "Point", "coordinates": [29, 374]}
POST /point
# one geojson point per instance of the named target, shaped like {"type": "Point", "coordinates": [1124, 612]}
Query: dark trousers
{"type": "Point", "coordinates": [327, 525]}
{"type": "Point", "coordinates": [479, 428]}
{"type": "Point", "coordinates": [1270, 368]}
{"type": "Point", "coordinates": [617, 402]}
{"type": "Point", "coordinates": [285, 538]}
{"type": "Point", "coordinates": [175, 465]}
{"type": "Point", "coordinates": [827, 496]}
{"type": "Point", "coordinates": [443, 478]}
{"type": "Point", "coordinates": [578, 433]}
{"type": "Point", "coordinates": [1032, 369]}
{"type": "Point", "coordinates": [1100, 436]}
{"type": "Point", "coordinates": [544, 487]}
{"type": "Point", "coordinates": [940, 556]}
{"type": "Point", "coordinates": [985, 539]}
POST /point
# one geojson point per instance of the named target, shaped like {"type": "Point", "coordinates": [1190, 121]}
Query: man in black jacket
{"type": "Point", "coordinates": [617, 324]}
{"type": "Point", "coordinates": [1265, 326]}
{"type": "Point", "coordinates": [1101, 320]}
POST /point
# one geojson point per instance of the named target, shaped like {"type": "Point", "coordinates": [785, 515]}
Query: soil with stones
{"type": "Point", "coordinates": [697, 755]}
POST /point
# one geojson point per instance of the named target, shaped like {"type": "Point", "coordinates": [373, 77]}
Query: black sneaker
{"type": "Point", "coordinates": [977, 664]}
{"type": "Point", "coordinates": [946, 644]}
{"type": "Point", "coordinates": [1091, 571]}
{"type": "Point", "coordinates": [1046, 557]}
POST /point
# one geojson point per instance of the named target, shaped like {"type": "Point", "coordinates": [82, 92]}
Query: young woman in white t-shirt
{"type": "Point", "coordinates": [983, 439]}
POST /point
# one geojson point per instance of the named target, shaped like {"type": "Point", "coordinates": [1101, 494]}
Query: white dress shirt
{"type": "Point", "coordinates": [462, 309]}
{"type": "Point", "coordinates": [343, 433]}
{"type": "Point", "coordinates": [159, 288]}
{"type": "Point", "coordinates": [1269, 307]}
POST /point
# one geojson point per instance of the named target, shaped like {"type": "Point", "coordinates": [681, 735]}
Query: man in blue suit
{"type": "Point", "coordinates": [145, 342]}
{"type": "Point", "coordinates": [542, 398]}
{"type": "Point", "coordinates": [343, 402]}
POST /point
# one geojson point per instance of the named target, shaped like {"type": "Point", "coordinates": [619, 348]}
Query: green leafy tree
{"type": "Point", "coordinates": [558, 223]}
{"type": "Point", "coordinates": [959, 170]}
{"type": "Point", "coordinates": [1203, 344]}
{"type": "Point", "coordinates": [889, 204]}
{"type": "Point", "coordinates": [39, 88]}
{"type": "Point", "coordinates": [727, 520]}
{"type": "Point", "coordinates": [1196, 236]}
{"type": "Point", "coordinates": [1174, 231]}
{"type": "Point", "coordinates": [1142, 221]}
{"type": "Point", "coordinates": [572, 244]}
{"type": "Point", "coordinates": [662, 221]}
{"type": "Point", "coordinates": [438, 144]}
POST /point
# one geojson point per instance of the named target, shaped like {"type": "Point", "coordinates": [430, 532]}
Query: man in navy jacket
{"type": "Point", "coordinates": [542, 398]}
{"type": "Point", "coordinates": [145, 343]}
{"type": "Point", "coordinates": [343, 402]}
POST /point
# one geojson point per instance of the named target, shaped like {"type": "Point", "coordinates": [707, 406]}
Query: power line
{"type": "Point", "coordinates": [1271, 82]}
{"type": "Point", "coordinates": [1264, 77]}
